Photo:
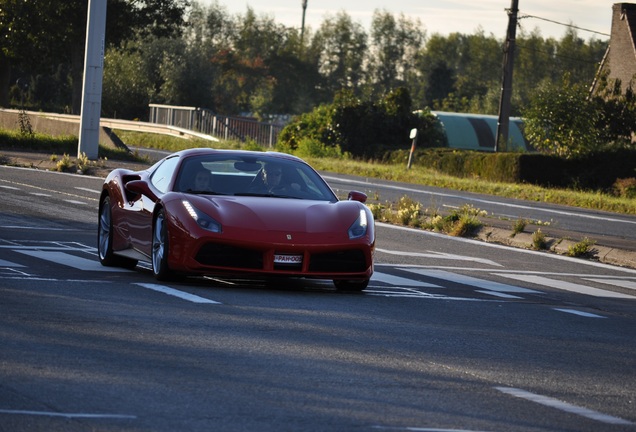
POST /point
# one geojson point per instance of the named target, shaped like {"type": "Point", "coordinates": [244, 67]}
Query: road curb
{"type": "Point", "coordinates": [600, 253]}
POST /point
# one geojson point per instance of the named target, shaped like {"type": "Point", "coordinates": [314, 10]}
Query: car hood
{"type": "Point", "coordinates": [281, 214]}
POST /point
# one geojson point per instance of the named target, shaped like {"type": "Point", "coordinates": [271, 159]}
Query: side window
{"type": "Point", "coordinates": [163, 174]}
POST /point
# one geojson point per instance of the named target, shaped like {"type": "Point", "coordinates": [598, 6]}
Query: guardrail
{"type": "Point", "coordinates": [223, 127]}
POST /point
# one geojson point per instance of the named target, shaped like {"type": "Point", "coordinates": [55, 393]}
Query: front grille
{"type": "Point", "coordinates": [220, 255]}
{"type": "Point", "coordinates": [349, 261]}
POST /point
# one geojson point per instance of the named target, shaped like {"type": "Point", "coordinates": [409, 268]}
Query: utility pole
{"type": "Point", "coordinates": [302, 27]}
{"type": "Point", "coordinates": [93, 75]}
{"type": "Point", "coordinates": [506, 87]}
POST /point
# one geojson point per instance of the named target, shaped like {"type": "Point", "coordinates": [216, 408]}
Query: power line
{"type": "Point", "coordinates": [560, 23]}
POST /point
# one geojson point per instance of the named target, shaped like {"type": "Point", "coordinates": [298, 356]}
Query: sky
{"type": "Point", "coordinates": [444, 16]}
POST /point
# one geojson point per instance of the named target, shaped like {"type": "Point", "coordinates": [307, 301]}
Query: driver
{"type": "Point", "coordinates": [203, 181]}
{"type": "Point", "coordinates": [273, 180]}
{"type": "Point", "coordinates": [272, 177]}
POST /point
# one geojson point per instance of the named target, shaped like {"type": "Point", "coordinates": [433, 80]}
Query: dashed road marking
{"type": "Point", "coordinates": [67, 415]}
{"type": "Point", "coordinates": [75, 202]}
{"type": "Point", "coordinates": [95, 191]}
{"type": "Point", "coordinates": [580, 313]}
{"type": "Point", "coordinates": [563, 406]}
{"type": "Point", "coordinates": [176, 293]}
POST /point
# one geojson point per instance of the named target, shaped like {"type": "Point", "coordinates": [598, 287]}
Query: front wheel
{"type": "Point", "coordinates": [160, 248]}
{"type": "Point", "coordinates": [350, 285]}
{"type": "Point", "coordinates": [105, 239]}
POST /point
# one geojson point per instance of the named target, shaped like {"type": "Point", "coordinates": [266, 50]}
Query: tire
{"type": "Point", "coordinates": [350, 285]}
{"type": "Point", "coordinates": [160, 247]}
{"type": "Point", "coordinates": [105, 239]}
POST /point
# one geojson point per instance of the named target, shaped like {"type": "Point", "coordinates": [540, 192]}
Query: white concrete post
{"type": "Point", "coordinates": [93, 74]}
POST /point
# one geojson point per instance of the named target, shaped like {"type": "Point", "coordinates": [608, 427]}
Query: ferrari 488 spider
{"type": "Point", "coordinates": [235, 213]}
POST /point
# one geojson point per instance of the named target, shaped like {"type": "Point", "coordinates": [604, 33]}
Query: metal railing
{"type": "Point", "coordinates": [205, 121]}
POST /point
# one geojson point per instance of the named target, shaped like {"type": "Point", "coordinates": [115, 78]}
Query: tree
{"type": "Point", "coordinates": [394, 45]}
{"type": "Point", "coordinates": [343, 46]}
{"type": "Point", "coordinates": [41, 34]}
{"type": "Point", "coordinates": [562, 120]}
{"type": "Point", "coordinates": [127, 89]}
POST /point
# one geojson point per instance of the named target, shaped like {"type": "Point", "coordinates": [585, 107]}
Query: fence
{"type": "Point", "coordinates": [205, 121]}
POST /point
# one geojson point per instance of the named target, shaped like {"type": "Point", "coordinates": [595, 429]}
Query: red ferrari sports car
{"type": "Point", "coordinates": [235, 213]}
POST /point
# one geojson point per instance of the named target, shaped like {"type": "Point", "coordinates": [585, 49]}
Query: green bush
{"type": "Point", "coordinates": [364, 129]}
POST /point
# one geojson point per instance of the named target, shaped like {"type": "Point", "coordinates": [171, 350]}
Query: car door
{"type": "Point", "coordinates": [141, 214]}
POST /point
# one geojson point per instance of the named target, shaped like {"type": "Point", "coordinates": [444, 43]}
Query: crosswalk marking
{"type": "Point", "coordinates": [499, 294]}
{"type": "Point", "coordinates": [566, 286]}
{"type": "Point", "coordinates": [400, 281]}
{"type": "Point", "coordinates": [71, 260]}
{"type": "Point", "coordinates": [83, 257]}
{"type": "Point", "coordinates": [439, 255]}
{"type": "Point", "coordinates": [4, 263]}
{"type": "Point", "coordinates": [616, 282]}
{"type": "Point", "coordinates": [469, 280]}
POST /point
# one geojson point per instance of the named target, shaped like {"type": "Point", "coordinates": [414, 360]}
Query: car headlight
{"type": "Point", "coordinates": [359, 227]}
{"type": "Point", "coordinates": [202, 219]}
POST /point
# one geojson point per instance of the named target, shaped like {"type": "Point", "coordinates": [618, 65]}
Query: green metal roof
{"type": "Point", "coordinates": [477, 131]}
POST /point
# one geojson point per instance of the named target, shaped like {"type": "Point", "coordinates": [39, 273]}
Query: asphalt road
{"type": "Point", "coordinates": [451, 335]}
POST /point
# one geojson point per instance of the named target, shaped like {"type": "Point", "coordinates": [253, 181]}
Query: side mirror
{"type": "Point", "coordinates": [357, 196]}
{"type": "Point", "coordinates": [141, 187]}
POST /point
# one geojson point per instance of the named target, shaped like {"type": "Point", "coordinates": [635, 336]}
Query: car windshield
{"type": "Point", "coordinates": [241, 175]}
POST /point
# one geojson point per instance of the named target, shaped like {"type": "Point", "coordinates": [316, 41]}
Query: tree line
{"type": "Point", "coordinates": [181, 52]}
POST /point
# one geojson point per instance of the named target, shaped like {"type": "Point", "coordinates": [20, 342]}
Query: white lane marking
{"type": "Point", "coordinates": [56, 246]}
{"type": "Point", "coordinates": [71, 261]}
{"type": "Point", "coordinates": [400, 281]}
{"type": "Point", "coordinates": [483, 244]}
{"type": "Point", "coordinates": [416, 294]}
{"type": "Point", "coordinates": [95, 191]}
{"type": "Point", "coordinates": [176, 293]}
{"type": "Point", "coordinates": [419, 429]}
{"type": "Point", "coordinates": [75, 202]}
{"type": "Point", "coordinates": [40, 194]}
{"type": "Point", "coordinates": [616, 282]}
{"type": "Point", "coordinates": [85, 178]}
{"type": "Point", "coordinates": [468, 198]}
{"type": "Point", "coordinates": [499, 294]}
{"type": "Point", "coordinates": [9, 187]}
{"type": "Point", "coordinates": [580, 313]}
{"type": "Point", "coordinates": [566, 286]}
{"type": "Point", "coordinates": [67, 415]}
{"type": "Point", "coordinates": [4, 263]}
{"type": "Point", "coordinates": [469, 280]}
{"type": "Point", "coordinates": [30, 228]}
{"type": "Point", "coordinates": [563, 406]}
{"type": "Point", "coordinates": [439, 255]}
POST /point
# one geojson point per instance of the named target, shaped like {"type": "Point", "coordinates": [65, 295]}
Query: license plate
{"type": "Point", "coordinates": [288, 259]}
